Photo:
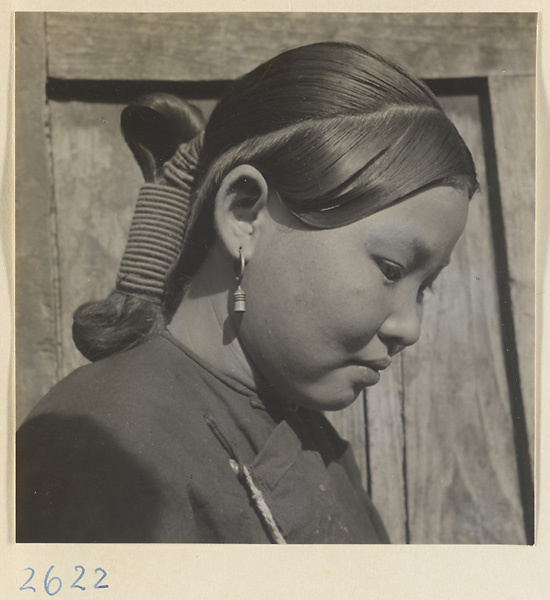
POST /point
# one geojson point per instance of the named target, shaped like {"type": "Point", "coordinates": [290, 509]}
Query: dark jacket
{"type": "Point", "coordinates": [152, 445]}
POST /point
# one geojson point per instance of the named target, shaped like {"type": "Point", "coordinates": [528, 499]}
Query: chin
{"type": "Point", "coordinates": [338, 401]}
{"type": "Point", "coordinates": [333, 406]}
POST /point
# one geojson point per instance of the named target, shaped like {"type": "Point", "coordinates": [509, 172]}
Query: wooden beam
{"type": "Point", "coordinates": [462, 475]}
{"type": "Point", "coordinates": [37, 307]}
{"type": "Point", "coordinates": [513, 102]}
{"type": "Point", "coordinates": [213, 46]}
{"type": "Point", "coordinates": [387, 451]}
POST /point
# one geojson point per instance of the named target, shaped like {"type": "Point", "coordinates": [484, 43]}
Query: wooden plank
{"type": "Point", "coordinates": [513, 106]}
{"type": "Point", "coordinates": [97, 181]}
{"type": "Point", "coordinates": [350, 424]}
{"type": "Point", "coordinates": [214, 46]}
{"type": "Point", "coordinates": [461, 470]}
{"type": "Point", "coordinates": [35, 258]}
{"type": "Point", "coordinates": [386, 450]}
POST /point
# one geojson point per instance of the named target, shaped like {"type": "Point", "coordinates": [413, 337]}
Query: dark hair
{"type": "Point", "coordinates": [338, 131]}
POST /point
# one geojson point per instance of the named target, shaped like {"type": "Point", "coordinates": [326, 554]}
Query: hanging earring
{"type": "Point", "coordinates": [239, 296]}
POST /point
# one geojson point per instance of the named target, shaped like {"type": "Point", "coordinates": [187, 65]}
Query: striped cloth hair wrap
{"type": "Point", "coordinates": [159, 226]}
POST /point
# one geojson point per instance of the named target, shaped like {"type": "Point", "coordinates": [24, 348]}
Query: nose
{"type": "Point", "coordinates": [402, 325]}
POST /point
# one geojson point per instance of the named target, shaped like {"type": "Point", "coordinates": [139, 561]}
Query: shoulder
{"type": "Point", "coordinates": [133, 398]}
{"type": "Point", "coordinates": [95, 458]}
{"type": "Point", "coordinates": [138, 382]}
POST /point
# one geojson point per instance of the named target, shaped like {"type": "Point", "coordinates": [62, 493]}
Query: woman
{"type": "Point", "coordinates": [275, 265]}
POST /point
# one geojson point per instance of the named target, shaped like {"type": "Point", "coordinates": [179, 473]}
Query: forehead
{"type": "Point", "coordinates": [427, 221]}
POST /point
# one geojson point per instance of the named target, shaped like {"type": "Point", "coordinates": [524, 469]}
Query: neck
{"type": "Point", "coordinates": [203, 323]}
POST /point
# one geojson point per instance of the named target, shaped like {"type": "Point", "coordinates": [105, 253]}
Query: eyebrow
{"type": "Point", "coordinates": [422, 252]}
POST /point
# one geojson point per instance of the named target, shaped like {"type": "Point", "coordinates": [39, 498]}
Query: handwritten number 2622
{"type": "Point", "coordinates": [53, 584]}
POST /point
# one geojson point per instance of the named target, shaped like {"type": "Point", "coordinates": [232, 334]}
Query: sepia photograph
{"type": "Point", "coordinates": [275, 278]}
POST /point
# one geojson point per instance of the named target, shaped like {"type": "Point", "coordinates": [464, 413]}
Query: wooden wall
{"type": "Point", "coordinates": [444, 440]}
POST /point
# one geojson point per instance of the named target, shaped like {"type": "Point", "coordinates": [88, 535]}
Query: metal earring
{"type": "Point", "coordinates": [239, 296]}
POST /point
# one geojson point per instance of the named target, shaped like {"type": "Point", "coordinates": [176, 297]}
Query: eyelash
{"type": "Point", "coordinates": [429, 286]}
{"type": "Point", "coordinates": [393, 272]}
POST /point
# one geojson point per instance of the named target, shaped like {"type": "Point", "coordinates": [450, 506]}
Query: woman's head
{"type": "Point", "coordinates": [327, 309]}
{"type": "Point", "coordinates": [337, 133]}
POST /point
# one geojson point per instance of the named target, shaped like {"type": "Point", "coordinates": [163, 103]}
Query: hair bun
{"type": "Point", "coordinates": [154, 127]}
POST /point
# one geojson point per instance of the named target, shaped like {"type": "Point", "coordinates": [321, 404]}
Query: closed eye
{"type": "Point", "coordinates": [391, 271]}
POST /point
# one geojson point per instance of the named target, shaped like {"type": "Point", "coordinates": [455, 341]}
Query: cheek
{"type": "Point", "coordinates": [309, 312]}
{"type": "Point", "coordinates": [282, 295]}
{"type": "Point", "coordinates": [360, 312]}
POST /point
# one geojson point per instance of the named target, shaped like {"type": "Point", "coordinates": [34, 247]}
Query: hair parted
{"type": "Point", "coordinates": [338, 131]}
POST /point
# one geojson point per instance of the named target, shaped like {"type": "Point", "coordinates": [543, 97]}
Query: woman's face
{"type": "Point", "coordinates": [327, 309]}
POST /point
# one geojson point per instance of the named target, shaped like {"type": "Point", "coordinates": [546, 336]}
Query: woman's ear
{"type": "Point", "coordinates": [240, 209]}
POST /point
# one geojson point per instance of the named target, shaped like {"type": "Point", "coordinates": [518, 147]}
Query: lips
{"type": "Point", "coordinates": [367, 372]}
{"type": "Point", "coordinates": [377, 365]}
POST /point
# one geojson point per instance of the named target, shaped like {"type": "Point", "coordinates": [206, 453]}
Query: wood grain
{"type": "Point", "coordinates": [461, 470]}
{"type": "Point", "coordinates": [35, 259]}
{"type": "Point", "coordinates": [513, 106]}
{"type": "Point", "coordinates": [97, 181]}
{"type": "Point", "coordinates": [350, 424]}
{"type": "Point", "coordinates": [386, 450]}
{"type": "Point", "coordinates": [216, 46]}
